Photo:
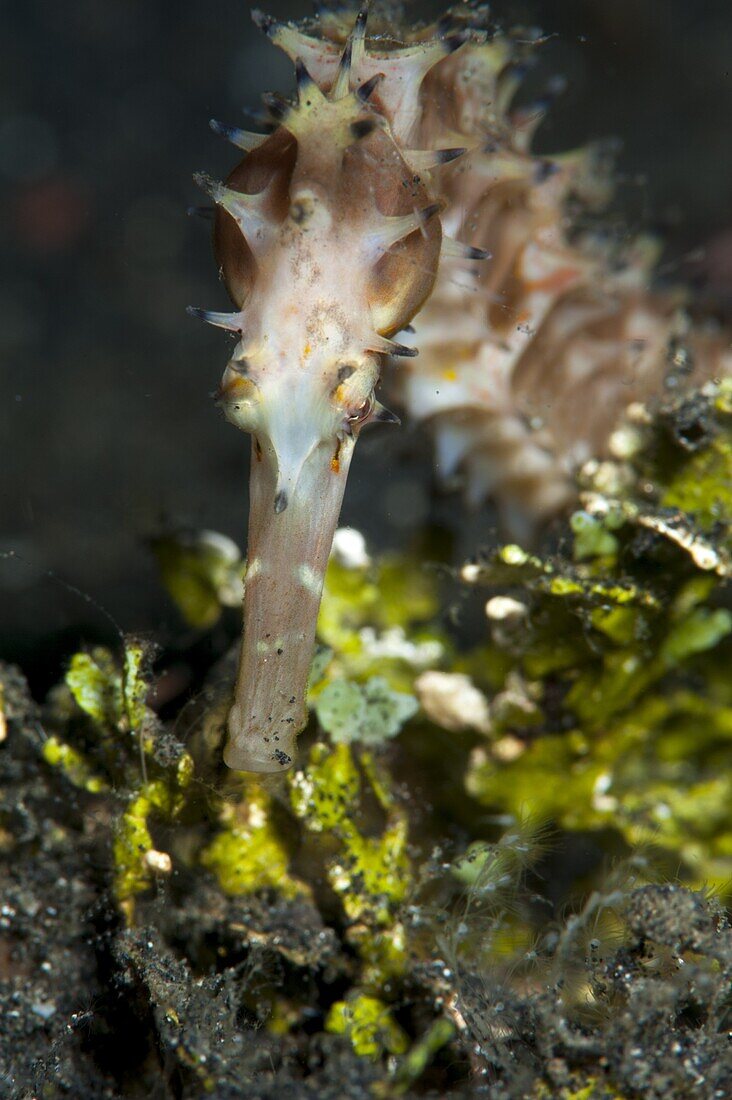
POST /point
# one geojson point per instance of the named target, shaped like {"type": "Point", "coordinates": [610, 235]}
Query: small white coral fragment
{"type": "Point", "coordinates": [501, 609]}
{"type": "Point", "coordinates": [159, 863]}
{"type": "Point", "coordinates": [393, 644]}
{"type": "Point", "coordinates": [349, 549]}
{"type": "Point", "coordinates": [451, 700]}
{"type": "Point", "coordinates": [508, 748]}
{"type": "Point", "coordinates": [625, 442]}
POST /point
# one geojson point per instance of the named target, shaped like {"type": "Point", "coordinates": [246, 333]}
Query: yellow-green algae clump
{"type": "Point", "coordinates": [625, 650]}
{"type": "Point", "coordinates": [601, 706]}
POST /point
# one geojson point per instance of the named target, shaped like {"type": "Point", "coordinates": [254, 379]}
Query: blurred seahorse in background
{"type": "Point", "coordinates": [400, 185]}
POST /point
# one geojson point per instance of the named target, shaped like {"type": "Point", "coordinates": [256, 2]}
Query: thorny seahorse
{"type": "Point", "coordinates": [400, 184]}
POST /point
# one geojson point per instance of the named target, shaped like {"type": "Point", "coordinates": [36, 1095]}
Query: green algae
{"type": "Point", "coordinates": [133, 841]}
{"type": "Point", "coordinates": [379, 619]}
{"type": "Point", "coordinates": [111, 696]}
{"type": "Point", "coordinates": [125, 750]}
{"type": "Point", "coordinates": [371, 874]}
{"type": "Point", "coordinates": [365, 849]}
{"type": "Point", "coordinates": [73, 765]}
{"type": "Point", "coordinates": [703, 487]}
{"type": "Point", "coordinates": [202, 571]}
{"type": "Point", "coordinates": [418, 1057]}
{"type": "Point", "coordinates": [606, 675]}
{"type": "Point", "coordinates": [248, 854]}
{"type": "Point", "coordinates": [369, 713]}
{"type": "Point", "coordinates": [592, 537]}
{"type": "Point", "coordinates": [162, 799]}
{"type": "Point", "coordinates": [96, 686]}
{"type": "Point", "coordinates": [369, 1024]}
{"type": "Point", "coordinates": [614, 633]}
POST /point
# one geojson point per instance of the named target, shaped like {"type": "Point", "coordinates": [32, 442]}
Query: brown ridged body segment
{"type": "Point", "coordinates": [339, 229]}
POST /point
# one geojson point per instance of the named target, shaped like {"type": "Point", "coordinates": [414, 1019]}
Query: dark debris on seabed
{"type": "Point", "coordinates": [171, 1007]}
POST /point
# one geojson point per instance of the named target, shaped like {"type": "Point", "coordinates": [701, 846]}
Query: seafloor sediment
{"type": "Point", "coordinates": [497, 869]}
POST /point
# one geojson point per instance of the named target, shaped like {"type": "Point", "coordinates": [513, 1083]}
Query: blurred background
{"type": "Point", "coordinates": [107, 426]}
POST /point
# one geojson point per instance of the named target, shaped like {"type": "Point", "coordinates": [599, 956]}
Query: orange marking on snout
{"type": "Point", "coordinates": [236, 387]}
{"type": "Point", "coordinates": [335, 464]}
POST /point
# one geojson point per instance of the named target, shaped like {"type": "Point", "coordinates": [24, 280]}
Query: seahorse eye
{"type": "Point", "coordinates": [362, 413]}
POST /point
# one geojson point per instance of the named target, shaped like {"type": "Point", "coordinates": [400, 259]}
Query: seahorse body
{"type": "Point", "coordinates": [340, 227]}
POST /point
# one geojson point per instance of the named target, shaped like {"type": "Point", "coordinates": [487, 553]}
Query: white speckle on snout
{"type": "Point", "coordinates": [265, 649]}
{"type": "Point", "coordinates": [253, 570]}
{"type": "Point", "coordinates": [309, 579]}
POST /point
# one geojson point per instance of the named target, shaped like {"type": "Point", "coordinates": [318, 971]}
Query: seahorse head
{"type": "Point", "coordinates": [328, 243]}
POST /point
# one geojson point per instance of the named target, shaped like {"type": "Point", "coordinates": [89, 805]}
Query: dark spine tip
{"type": "Point", "coordinates": [519, 70]}
{"type": "Point", "coordinates": [453, 42]}
{"type": "Point", "coordinates": [403, 351]}
{"type": "Point", "coordinates": [363, 128]}
{"type": "Point", "coordinates": [473, 253]}
{"type": "Point", "coordinates": [221, 129]}
{"type": "Point", "coordinates": [366, 90]}
{"type": "Point", "coordinates": [446, 25]}
{"type": "Point", "coordinates": [258, 118]}
{"type": "Point", "coordinates": [263, 21]}
{"type": "Point", "coordinates": [386, 416]}
{"type": "Point", "coordinates": [344, 65]}
{"type": "Point", "coordinates": [361, 20]}
{"type": "Point", "coordinates": [429, 212]}
{"type": "Point", "coordinates": [444, 156]}
{"type": "Point", "coordinates": [276, 105]}
{"type": "Point", "coordinates": [545, 169]}
{"type": "Point", "coordinates": [302, 76]}
{"type": "Point", "coordinates": [208, 184]}
{"type": "Point", "coordinates": [280, 502]}
{"type": "Point", "coordinates": [539, 107]}
{"type": "Point", "coordinates": [205, 182]}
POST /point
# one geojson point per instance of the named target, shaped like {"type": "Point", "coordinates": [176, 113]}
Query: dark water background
{"type": "Point", "coordinates": [106, 421]}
